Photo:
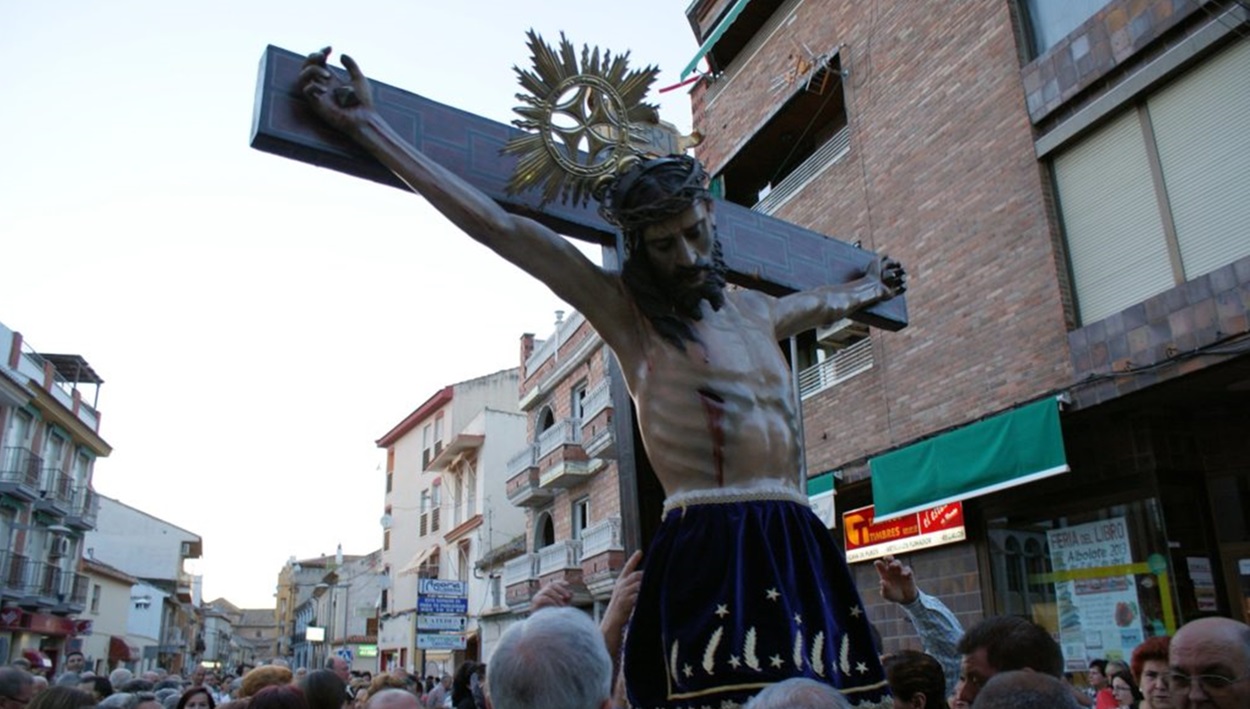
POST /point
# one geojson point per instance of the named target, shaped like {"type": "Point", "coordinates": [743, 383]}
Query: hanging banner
{"type": "Point", "coordinates": [1099, 610]}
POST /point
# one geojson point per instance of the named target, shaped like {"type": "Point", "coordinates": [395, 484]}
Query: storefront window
{"type": "Point", "coordinates": [1097, 580]}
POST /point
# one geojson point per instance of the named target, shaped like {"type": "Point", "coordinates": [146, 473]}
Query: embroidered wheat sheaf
{"type": "Point", "coordinates": [798, 649]}
{"type": "Point", "coordinates": [818, 653]}
{"type": "Point", "coordinates": [673, 661]}
{"type": "Point", "coordinates": [844, 657]}
{"type": "Point", "coordinates": [748, 651]}
{"type": "Point", "coordinates": [709, 654]}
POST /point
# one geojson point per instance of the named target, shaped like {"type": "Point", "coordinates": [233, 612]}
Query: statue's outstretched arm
{"type": "Point", "coordinates": [802, 311]}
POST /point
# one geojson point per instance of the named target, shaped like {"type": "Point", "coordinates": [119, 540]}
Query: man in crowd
{"type": "Point", "coordinates": [555, 659]}
{"type": "Point", "coordinates": [16, 688]}
{"type": "Point", "coordinates": [1210, 665]}
{"type": "Point", "coordinates": [1000, 644]}
{"type": "Point", "coordinates": [338, 666]}
{"type": "Point", "coordinates": [716, 409]}
{"type": "Point", "coordinates": [440, 693]}
{"type": "Point", "coordinates": [1022, 689]}
{"type": "Point", "coordinates": [937, 626]}
{"type": "Point", "coordinates": [799, 693]}
{"type": "Point", "coordinates": [75, 661]}
{"type": "Point", "coordinates": [393, 699]}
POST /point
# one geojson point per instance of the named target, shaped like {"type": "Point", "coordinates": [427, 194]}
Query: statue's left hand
{"type": "Point", "coordinates": [890, 273]}
{"type": "Point", "coordinates": [345, 105]}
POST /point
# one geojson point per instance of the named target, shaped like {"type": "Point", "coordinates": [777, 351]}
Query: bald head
{"type": "Point", "coordinates": [1024, 689]}
{"type": "Point", "coordinates": [393, 699]}
{"type": "Point", "coordinates": [1214, 647]}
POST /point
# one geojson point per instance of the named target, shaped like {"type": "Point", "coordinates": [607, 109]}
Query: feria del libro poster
{"type": "Point", "coordinates": [1099, 614]}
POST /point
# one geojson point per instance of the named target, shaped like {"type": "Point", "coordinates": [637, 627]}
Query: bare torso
{"type": "Point", "coordinates": [721, 413]}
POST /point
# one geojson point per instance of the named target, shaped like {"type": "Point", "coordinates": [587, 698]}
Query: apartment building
{"type": "Point", "coordinates": [1065, 182]}
{"type": "Point", "coordinates": [49, 442]}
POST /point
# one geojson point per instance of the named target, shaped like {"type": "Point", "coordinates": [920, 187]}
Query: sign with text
{"type": "Point", "coordinates": [442, 604]}
{"type": "Point", "coordinates": [428, 641]}
{"type": "Point", "coordinates": [1099, 612]}
{"type": "Point", "coordinates": [441, 622]}
{"type": "Point", "coordinates": [867, 539]}
{"type": "Point", "coordinates": [442, 587]}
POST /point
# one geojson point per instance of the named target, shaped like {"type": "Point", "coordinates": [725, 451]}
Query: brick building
{"type": "Point", "coordinates": [1065, 182]}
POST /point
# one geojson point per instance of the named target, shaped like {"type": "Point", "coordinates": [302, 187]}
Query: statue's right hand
{"type": "Point", "coordinates": [345, 105]}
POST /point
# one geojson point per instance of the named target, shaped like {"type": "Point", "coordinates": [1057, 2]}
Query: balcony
{"type": "Point", "coordinates": [561, 460]}
{"type": "Point", "coordinates": [603, 555]}
{"type": "Point", "coordinates": [520, 580]}
{"type": "Point", "coordinates": [82, 513]}
{"type": "Point", "coordinates": [841, 366]}
{"type": "Point", "coordinates": [598, 433]}
{"type": "Point", "coordinates": [12, 574]}
{"type": "Point", "coordinates": [35, 582]}
{"type": "Point", "coordinates": [562, 560]}
{"type": "Point", "coordinates": [183, 587]}
{"type": "Point", "coordinates": [19, 472]}
{"type": "Point", "coordinates": [522, 487]}
{"type": "Point", "coordinates": [56, 492]}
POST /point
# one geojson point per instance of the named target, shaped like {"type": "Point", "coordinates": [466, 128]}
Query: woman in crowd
{"type": "Point", "coordinates": [324, 690]}
{"type": "Point", "coordinates": [286, 696]}
{"type": "Point", "coordinates": [461, 686]}
{"type": "Point", "coordinates": [916, 680]}
{"type": "Point", "coordinates": [1150, 669]}
{"type": "Point", "coordinates": [197, 698]}
{"type": "Point", "coordinates": [61, 697]}
{"type": "Point", "coordinates": [1125, 691]}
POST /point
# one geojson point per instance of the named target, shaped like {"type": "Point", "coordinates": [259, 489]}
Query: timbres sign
{"type": "Point", "coordinates": [867, 539]}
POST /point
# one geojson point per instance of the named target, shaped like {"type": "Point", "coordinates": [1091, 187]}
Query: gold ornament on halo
{"type": "Point", "coordinates": [585, 122]}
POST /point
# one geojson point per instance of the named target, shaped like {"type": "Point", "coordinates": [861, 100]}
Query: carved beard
{"type": "Point", "coordinates": [671, 304]}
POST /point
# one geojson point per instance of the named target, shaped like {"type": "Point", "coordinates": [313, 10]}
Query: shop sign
{"type": "Point", "coordinates": [11, 619]}
{"type": "Point", "coordinates": [366, 651]}
{"type": "Point", "coordinates": [443, 587]}
{"type": "Point", "coordinates": [49, 624]}
{"type": "Point", "coordinates": [429, 641]}
{"type": "Point", "coordinates": [1100, 615]}
{"type": "Point", "coordinates": [83, 627]}
{"type": "Point", "coordinates": [867, 539]}
{"type": "Point", "coordinates": [442, 604]}
{"type": "Point", "coordinates": [441, 622]}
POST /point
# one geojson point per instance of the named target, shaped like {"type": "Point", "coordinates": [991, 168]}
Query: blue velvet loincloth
{"type": "Point", "coordinates": [740, 591]}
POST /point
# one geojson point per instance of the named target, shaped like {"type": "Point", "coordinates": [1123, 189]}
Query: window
{"type": "Point", "coordinates": [830, 355]}
{"type": "Point", "coordinates": [95, 598]}
{"type": "Point", "coordinates": [386, 540]}
{"type": "Point", "coordinates": [462, 562]}
{"type": "Point", "coordinates": [805, 135]}
{"type": "Point", "coordinates": [580, 517]}
{"type": "Point", "coordinates": [1046, 22]}
{"type": "Point", "coordinates": [496, 591]}
{"type": "Point", "coordinates": [427, 450]}
{"type": "Point", "coordinates": [436, 505]}
{"type": "Point", "coordinates": [1155, 197]}
{"type": "Point", "coordinates": [470, 484]}
{"type": "Point", "coordinates": [577, 407]}
{"type": "Point", "coordinates": [425, 512]}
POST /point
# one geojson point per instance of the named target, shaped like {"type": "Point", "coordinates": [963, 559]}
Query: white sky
{"type": "Point", "coordinates": [260, 322]}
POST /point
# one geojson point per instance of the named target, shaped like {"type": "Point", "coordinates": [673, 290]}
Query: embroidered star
{"type": "Point", "coordinates": [773, 594]}
{"type": "Point", "coordinates": [689, 671]}
{"type": "Point", "coordinates": [734, 662]}
{"type": "Point", "coordinates": [856, 611]}
{"type": "Point", "coordinates": [861, 668]}
{"type": "Point", "coordinates": [775, 661]}
{"type": "Point", "coordinates": [722, 610]}
{"type": "Point", "coordinates": [798, 619]}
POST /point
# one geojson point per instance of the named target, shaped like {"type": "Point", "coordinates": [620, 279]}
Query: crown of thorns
{"type": "Point", "coordinates": [677, 198]}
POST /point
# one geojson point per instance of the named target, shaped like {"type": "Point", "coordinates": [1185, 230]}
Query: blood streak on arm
{"type": "Point", "coordinates": [714, 407]}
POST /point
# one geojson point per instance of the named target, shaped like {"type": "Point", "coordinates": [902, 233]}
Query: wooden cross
{"type": "Point", "coordinates": [761, 252]}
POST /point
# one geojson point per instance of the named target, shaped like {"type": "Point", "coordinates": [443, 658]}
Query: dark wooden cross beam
{"type": "Point", "coordinates": [762, 252]}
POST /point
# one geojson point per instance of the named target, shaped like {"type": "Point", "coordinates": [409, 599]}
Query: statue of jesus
{"type": "Point", "coordinates": [742, 586]}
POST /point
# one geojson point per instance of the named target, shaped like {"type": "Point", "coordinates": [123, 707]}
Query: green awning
{"type": "Point", "coordinates": [715, 36]}
{"type": "Point", "coordinates": [1002, 451]}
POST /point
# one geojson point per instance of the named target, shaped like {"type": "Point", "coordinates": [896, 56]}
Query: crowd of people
{"type": "Point", "coordinates": [558, 658]}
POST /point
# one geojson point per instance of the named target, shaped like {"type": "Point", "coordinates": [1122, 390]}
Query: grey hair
{"type": "Point", "coordinates": [120, 676]}
{"type": "Point", "coordinates": [68, 679]}
{"type": "Point", "coordinates": [13, 680]}
{"type": "Point", "coordinates": [121, 700]}
{"type": "Point", "coordinates": [799, 693]}
{"type": "Point", "coordinates": [1024, 689]}
{"type": "Point", "coordinates": [555, 659]}
{"type": "Point", "coordinates": [392, 697]}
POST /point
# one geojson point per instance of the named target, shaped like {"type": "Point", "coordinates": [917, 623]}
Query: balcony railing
{"type": "Point", "coordinates": [520, 569]}
{"type": "Point", "coordinates": [844, 364]}
{"type": "Point", "coordinates": [601, 537]}
{"type": "Point", "coordinates": [57, 487]}
{"type": "Point", "coordinates": [78, 590]}
{"type": "Point", "coordinates": [826, 155]}
{"type": "Point", "coordinates": [525, 458]}
{"type": "Point", "coordinates": [597, 399]}
{"type": "Point", "coordinates": [20, 466]}
{"type": "Point", "coordinates": [564, 432]}
{"type": "Point", "coordinates": [557, 557]}
{"type": "Point", "coordinates": [12, 571]}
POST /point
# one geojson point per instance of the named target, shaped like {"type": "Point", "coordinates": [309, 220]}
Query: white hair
{"type": "Point", "coordinates": [555, 659]}
{"type": "Point", "coordinates": [799, 693]}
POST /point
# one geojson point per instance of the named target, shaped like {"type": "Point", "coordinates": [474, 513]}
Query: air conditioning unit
{"type": "Point", "coordinates": [60, 547]}
{"type": "Point", "coordinates": [841, 333]}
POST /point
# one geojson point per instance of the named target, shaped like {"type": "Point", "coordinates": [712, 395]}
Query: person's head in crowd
{"type": "Point", "coordinates": [148, 700]}
{"type": "Point", "coordinates": [1209, 662]}
{"type": "Point", "coordinates": [461, 683]}
{"type": "Point", "coordinates": [339, 666]}
{"type": "Point", "coordinates": [300, 673]}
{"type": "Point", "coordinates": [384, 682]}
{"type": "Point", "coordinates": [798, 693]}
{"type": "Point", "coordinates": [68, 679]}
{"type": "Point", "coordinates": [1150, 668]}
{"type": "Point", "coordinates": [392, 699]}
{"type": "Point", "coordinates": [999, 644]}
{"type": "Point", "coordinates": [1097, 674]}
{"type": "Point", "coordinates": [150, 676]}
{"type": "Point", "coordinates": [97, 687]}
{"type": "Point", "coordinates": [233, 704]}
{"type": "Point", "coordinates": [324, 689]}
{"type": "Point", "coordinates": [119, 700]}
{"type": "Point", "coordinates": [173, 683]}
{"type": "Point", "coordinates": [62, 697]}
{"type": "Point", "coordinates": [75, 662]}
{"type": "Point", "coordinates": [197, 676]}
{"type": "Point", "coordinates": [555, 659]}
{"type": "Point", "coordinates": [16, 688]}
{"type": "Point", "coordinates": [119, 677]}
{"type": "Point", "coordinates": [1024, 689]}
{"type": "Point", "coordinates": [196, 698]}
{"type": "Point", "coordinates": [21, 663]}
{"type": "Point", "coordinates": [1124, 689]}
{"type": "Point", "coordinates": [285, 696]}
{"type": "Point", "coordinates": [135, 686]}
{"type": "Point", "coordinates": [39, 682]}
{"type": "Point", "coordinates": [916, 680]}
{"type": "Point", "coordinates": [262, 677]}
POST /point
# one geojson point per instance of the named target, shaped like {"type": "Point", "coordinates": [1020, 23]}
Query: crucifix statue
{"type": "Point", "coordinates": [742, 585]}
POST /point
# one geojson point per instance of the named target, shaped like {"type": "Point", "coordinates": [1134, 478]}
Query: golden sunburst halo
{"type": "Point", "coordinates": [584, 121]}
